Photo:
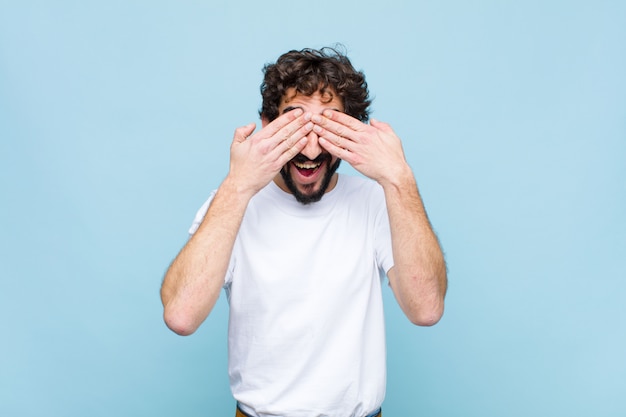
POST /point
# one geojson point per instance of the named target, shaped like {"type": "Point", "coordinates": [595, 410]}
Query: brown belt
{"type": "Point", "coordinates": [240, 413]}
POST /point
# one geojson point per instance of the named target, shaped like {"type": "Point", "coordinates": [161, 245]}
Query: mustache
{"type": "Point", "coordinates": [320, 158]}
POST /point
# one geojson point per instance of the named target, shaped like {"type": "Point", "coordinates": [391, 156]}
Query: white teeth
{"type": "Point", "coordinates": [306, 165]}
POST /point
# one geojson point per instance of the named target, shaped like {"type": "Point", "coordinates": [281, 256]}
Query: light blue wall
{"type": "Point", "coordinates": [115, 123]}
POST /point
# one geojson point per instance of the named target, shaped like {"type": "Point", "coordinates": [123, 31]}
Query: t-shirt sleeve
{"type": "Point", "coordinates": [384, 252]}
{"type": "Point", "coordinates": [200, 214]}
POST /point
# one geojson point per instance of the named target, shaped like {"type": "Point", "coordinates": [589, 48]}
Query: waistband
{"type": "Point", "coordinates": [240, 413]}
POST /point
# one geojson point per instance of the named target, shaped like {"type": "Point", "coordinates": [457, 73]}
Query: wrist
{"type": "Point", "coordinates": [400, 177]}
{"type": "Point", "coordinates": [237, 189]}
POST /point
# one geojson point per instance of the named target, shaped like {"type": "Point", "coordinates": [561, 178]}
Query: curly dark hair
{"type": "Point", "coordinates": [326, 70]}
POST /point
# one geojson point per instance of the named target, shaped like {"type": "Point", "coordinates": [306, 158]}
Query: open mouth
{"type": "Point", "coordinates": [308, 179]}
{"type": "Point", "coordinates": [308, 168]}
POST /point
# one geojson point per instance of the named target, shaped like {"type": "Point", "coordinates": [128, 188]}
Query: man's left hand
{"type": "Point", "coordinates": [374, 150]}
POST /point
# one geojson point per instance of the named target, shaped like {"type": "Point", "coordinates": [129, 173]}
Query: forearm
{"type": "Point", "coordinates": [418, 277]}
{"type": "Point", "coordinates": [194, 279]}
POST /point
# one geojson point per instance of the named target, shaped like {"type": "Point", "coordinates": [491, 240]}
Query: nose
{"type": "Point", "coordinates": [312, 149]}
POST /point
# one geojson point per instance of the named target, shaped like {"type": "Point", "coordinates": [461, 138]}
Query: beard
{"type": "Point", "coordinates": [309, 196]}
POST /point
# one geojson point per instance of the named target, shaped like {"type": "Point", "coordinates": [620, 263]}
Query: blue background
{"type": "Point", "coordinates": [115, 123]}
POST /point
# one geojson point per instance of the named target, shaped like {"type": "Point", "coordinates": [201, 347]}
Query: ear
{"type": "Point", "coordinates": [264, 121]}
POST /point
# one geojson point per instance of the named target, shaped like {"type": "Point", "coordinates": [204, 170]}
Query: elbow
{"type": "Point", "coordinates": [425, 320]}
{"type": "Point", "coordinates": [177, 319]}
{"type": "Point", "coordinates": [184, 316]}
{"type": "Point", "coordinates": [179, 323]}
{"type": "Point", "coordinates": [425, 309]}
{"type": "Point", "coordinates": [426, 316]}
{"type": "Point", "coordinates": [429, 311]}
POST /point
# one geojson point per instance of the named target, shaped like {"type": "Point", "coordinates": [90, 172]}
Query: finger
{"type": "Point", "coordinates": [294, 130]}
{"type": "Point", "coordinates": [344, 119]}
{"type": "Point", "coordinates": [298, 140]}
{"type": "Point", "coordinates": [335, 138]}
{"type": "Point", "coordinates": [339, 124]}
{"type": "Point", "coordinates": [281, 122]}
{"type": "Point", "coordinates": [290, 152]}
{"type": "Point", "coordinates": [242, 133]}
{"type": "Point", "coordinates": [275, 133]}
{"type": "Point", "coordinates": [385, 127]}
{"type": "Point", "coordinates": [339, 152]}
{"type": "Point", "coordinates": [283, 139]}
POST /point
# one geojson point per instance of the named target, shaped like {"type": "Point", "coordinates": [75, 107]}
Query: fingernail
{"type": "Point", "coordinates": [307, 116]}
{"type": "Point", "coordinates": [298, 112]}
{"type": "Point", "coordinates": [328, 113]}
{"type": "Point", "coordinates": [317, 128]}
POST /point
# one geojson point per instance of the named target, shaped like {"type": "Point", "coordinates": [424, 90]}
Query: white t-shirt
{"type": "Point", "coordinates": [306, 329]}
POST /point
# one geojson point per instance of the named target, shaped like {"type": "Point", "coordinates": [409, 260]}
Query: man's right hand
{"type": "Point", "coordinates": [255, 159]}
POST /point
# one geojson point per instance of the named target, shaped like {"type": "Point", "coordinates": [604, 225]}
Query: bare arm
{"type": "Point", "coordinates": [193, 281]}
{"type": "Point", "coordinates": [418, 277]}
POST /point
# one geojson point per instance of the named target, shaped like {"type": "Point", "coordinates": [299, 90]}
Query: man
{"type": "Point", "coordinates": [302, 250]}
